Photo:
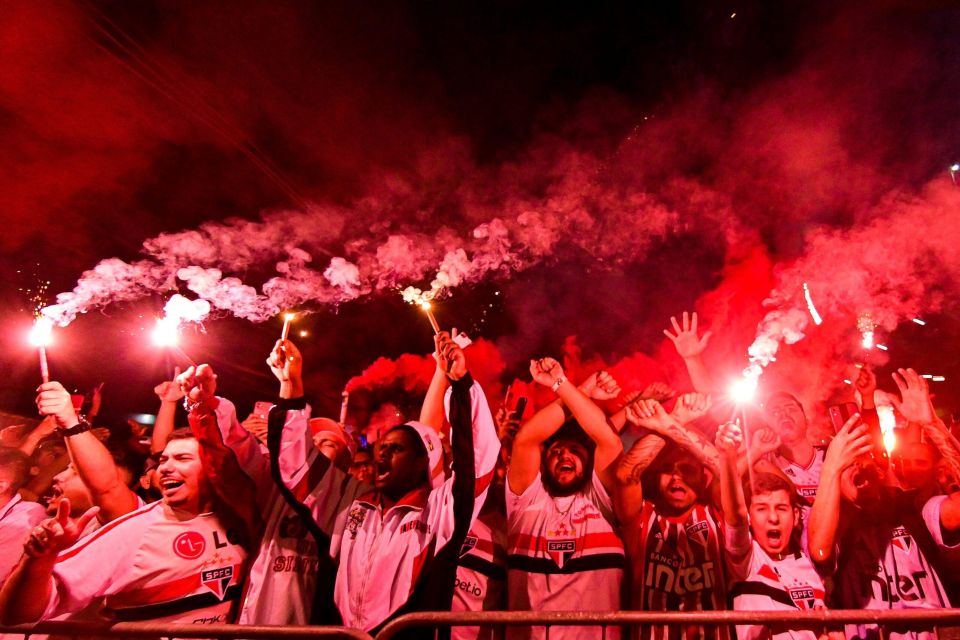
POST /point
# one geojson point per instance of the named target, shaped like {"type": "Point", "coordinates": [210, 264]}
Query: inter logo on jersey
{"type": "Point", "coordinates": [217, 580]}
{"type": "Point", "coordinates": [803, 597]}
{"type": "Point", "coordinates": [561, 550]}
{"type": "Point", "coordinates": [469, 543]}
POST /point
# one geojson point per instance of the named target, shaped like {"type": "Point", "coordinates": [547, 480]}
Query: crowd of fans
{"type": "Point", "coordinates": [282, 519]}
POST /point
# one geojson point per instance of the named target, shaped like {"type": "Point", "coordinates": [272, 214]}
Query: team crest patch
{"type": "Point", "coordinates": [217, 580]}
{"type": "Point", "coordinates": [698, 532]}
{"type": "Point", "coordinates": [189, 545]}
{"type": "Point", "coordinates": [902, 539]}
{"type": "Point", "coordinates": [561, 550]}
{"type": "Point", "coordinates": [355, 520]}
{"type": "Point", "coordinates": [803, 597]}
{"type": "Point", "coordinates": [469, 544]}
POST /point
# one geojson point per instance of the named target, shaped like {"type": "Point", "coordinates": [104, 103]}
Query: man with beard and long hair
{"type": "Point", "coordinates": [563, 552]}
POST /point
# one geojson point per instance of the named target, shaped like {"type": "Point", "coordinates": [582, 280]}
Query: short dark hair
{"type": "Point", "coordinates": [181, 433]}
{"type": "Point", "coordinates": [765, 482]}
{"type": "Point", "coordinates": [571, 430]}
{"type": "Point", "coordinates": [19, 464]}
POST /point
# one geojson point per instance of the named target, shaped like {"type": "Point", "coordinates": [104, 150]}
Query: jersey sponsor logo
{"type": "Point", "coordinates": [585, 513]}
{"type": "Point", "coordinates": [666, 574]}
{"type": "Point", "coordinates": [803, 597]}
{"type": "Point", "coordinates": [217, 580]}
{"type": "Point", "coordinates": [468, 587]}
{"type": "Point", "coordinates": [469, 544]}
{"type": "Point", "coordinates": [189, 545]}
{"type": "Point", "coordinates": [561, 550]}
{"type": "Point", "coordinates": [355, 520]}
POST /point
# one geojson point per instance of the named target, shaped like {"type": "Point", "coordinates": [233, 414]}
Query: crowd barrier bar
{"type": "Point", "coordinates": [173, 630]}
{"type": "Point", "coordinates": [834, 617]}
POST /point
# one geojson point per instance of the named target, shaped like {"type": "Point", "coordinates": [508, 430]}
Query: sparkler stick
{"type": "Point", "coordinates": [287, 319]}
{"type": "Point", "coordinates": [426, 306]}
{"type": "Point", "coordinates": [40, 337]}
{"type": "Point", "coordinates": [817, 320]}
{"type": "Point", "coordinates": [344, 404]}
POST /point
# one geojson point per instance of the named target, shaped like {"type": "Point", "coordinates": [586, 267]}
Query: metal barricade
{"type": "Point", "coordinates": [171, 630]}
{"type": "Point", "coordinates": [823, 617]}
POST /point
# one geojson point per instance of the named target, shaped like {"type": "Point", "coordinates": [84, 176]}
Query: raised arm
{"type": "Point", "coordinates": [29, 589]}
{"type": "Point", "coordinates": [690, 347]}
{"type": "Point", "coordinates": [90, 457]}
{"type": "Point", "coordinates": [852, 441]}
{"type": "Point", "coordinates": [628, 493]}
{"type": "Point", "coordinates": [651, 415]}
{"type": "Point", "coordinates": [169, 393]}
{"type": "Point", "coordinates": [915, 405]}
{"type": "Point", "coordinates": [431, 412]}
{"type": "Point", "coordinates": [728, 442]}
{"type": "Point", "coordinates": [46, 427]}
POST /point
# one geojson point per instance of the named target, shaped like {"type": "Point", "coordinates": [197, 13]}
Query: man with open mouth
{"type": "Point", "coordinates": [670, 524]}
{"type": "Point", "coordinates": [177, 560]}
{"type": "Point", "coordinates": [561, 541]}
{"type": "Point", "coordinates": [769, 571]}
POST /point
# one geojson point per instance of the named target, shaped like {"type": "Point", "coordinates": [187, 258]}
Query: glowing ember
{"type": "Point", "coordinates": [41, 335]}
{"type": "Point", "coordinates": [176, 312]}
{"type": "Point", "coordinates": [743, 390]}
{"type": "Point", "coordinates": [287, 319]}
{"type": "Point", "coordinates": [866, 326]}
{"type": "Point", "coordinates": [920, 322]}
{"type": "Point", "coordinates": [422, 300]}
{"type": "Point", "coordinates": [888, 422]}
{"type": "Point", "coordinates": [817, 320]}
{"type": "Point", "coordinates": [882, 347]}
{"type": "Point", "coordinates": [166, 333]}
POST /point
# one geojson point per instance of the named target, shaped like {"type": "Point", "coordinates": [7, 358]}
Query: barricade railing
{"type": "Point", "coordinates": [173, 630]}
{"type": "Point", "coordinates": [910, 619]}
{"type": "Point", "coordinates": [431, 621]}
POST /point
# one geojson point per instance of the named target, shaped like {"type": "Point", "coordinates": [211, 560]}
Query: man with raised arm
{"type": "Point", "coordinates": [769, 571]}
{"type": "Point", "coordinates": [291, 552]}
{"type": "Point", "coordinates": [93, 478]}
{"type": "Point", "coordinates": [563, 551]}
{"type": "Point", "coordinates": [881, 548]}
{"type": "Point", "coordinates": [173, 561]}
{"type": "Point", "coordinates": [673, 534]}
{"type": "Point", "coordinates": [396, 547]}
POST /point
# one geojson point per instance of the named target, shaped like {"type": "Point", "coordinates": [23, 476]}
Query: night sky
{"type": "Point", "coordinates": [681, 155]}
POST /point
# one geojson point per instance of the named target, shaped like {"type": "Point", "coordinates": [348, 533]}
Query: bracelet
{"type": "Point", "coordinates": [556, 383]}
{"type": "Point", "coordinates": [190, 406]}
{"type": "Point", "coordinates": [80, 427]}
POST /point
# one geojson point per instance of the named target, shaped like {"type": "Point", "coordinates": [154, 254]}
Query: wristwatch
{"type": "Point", "coordinates": [81, 426]}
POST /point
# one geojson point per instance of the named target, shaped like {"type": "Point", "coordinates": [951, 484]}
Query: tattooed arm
{"type": "Point", "coordinates": [628, 495]}
{"type": "Point", "coordinates": [650, 414]}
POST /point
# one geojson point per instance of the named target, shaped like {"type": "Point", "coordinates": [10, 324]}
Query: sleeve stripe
{"type": "Point", "coordinates": [82, 544]}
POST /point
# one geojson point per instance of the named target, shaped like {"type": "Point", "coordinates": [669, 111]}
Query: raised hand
{"type": "Point", "coordinates": [54, 400]}
{"type": "Point", "coordinates": [600, 386]}
{"type": "Point", "coordinates": [685, 338]}
{"type": "Point", "coordinates": [198, 384]}
{"type": "Point", "coordinates": [257, 426]}
{"type": "Point", "coordinates": [729, 439]}
{"type": "Point", "coordinates": [96, 401]}
{"type": "Point", "coordinates": [545, 371]}
{"type": "Point", "coordinates": [55, 534]}
{"type": "Point", "coordinates": [915, 404]}
{"type": "Point", "coordinates": [649, 414]}
{"type": "Point", "coordinates": [285, 361]}
{"type": "Point", "coordinates": [763, 440]}
{"type": "Point", "coordinates": [866, 382]}
{"type": "Point", "coordinates": [690, 407]}
{"type": "Point", "coordinates": [169, 390]}
{"type": "Point", "coordinates": [452, 360]}
{"type": "Point", "coordinates": [659, 391]}
{"type": "Point", "coordinates": [851, 441]}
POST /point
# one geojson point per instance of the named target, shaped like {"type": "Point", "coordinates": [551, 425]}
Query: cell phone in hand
{"type": "Point", "coordinates": [262, 409]}
{"type": "Point", "coordinates": [840, 413]}
{"type": "Point", "coordinates": [521, 407]}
